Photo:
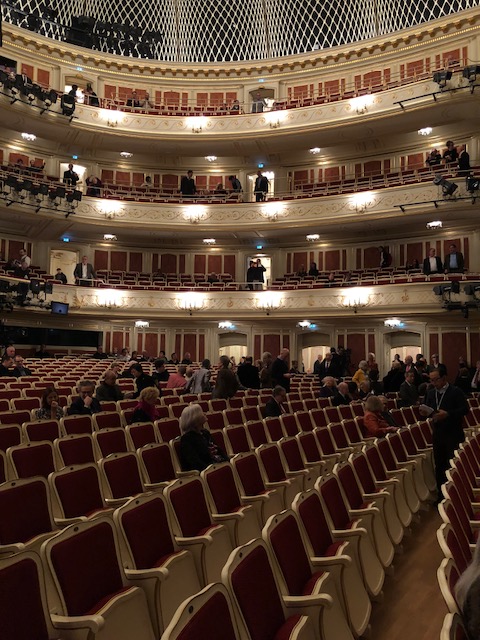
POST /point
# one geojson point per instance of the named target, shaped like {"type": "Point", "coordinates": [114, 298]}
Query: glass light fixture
{"type": "Point", "coordinates": [210, 158]}
{"type": "Point", "coordinates": [426, 131]}
{"type": "Point", "coordinates": [226, 324]}
{"type": "Point", "coordinates": [313, 237]}
{"type": "Point", "coordinates": [209, 241]}
{"type": "Point", "coordinates": [356, 298]}
{"type": "Point", "coordinates": [30, 137]}
{"type": "Point", "coordinates": [109, 237]}
{"type": "Point", "coordinates": [434, 224]}
{"type": "Point", "coordinates": [142, 324]}
{"type": "Point", "coordinates": [315, 150]}
{"type": "Point", "coordinates": [126, 154]}
{"type": "Point", "coordinates": [268, 301]}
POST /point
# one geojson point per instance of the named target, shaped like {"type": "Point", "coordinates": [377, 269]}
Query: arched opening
{"type": "Point", "coordinates": [311, 345]}
{"type": "Point", "coordinates": [405, 343]}
{"type": "Point", "coordinates": [233, 344]}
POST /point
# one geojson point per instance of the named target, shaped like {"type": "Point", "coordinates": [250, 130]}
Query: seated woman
{"type": "Point", "coordinates": [375, 424]}
{"type": "Point", "coordinates": [146, 411]}
{"type": "Point", "coordinates": [197, 449]}
{"type": "Point", "coordinates": [313, 271]}
{"type": "Point", "coordinates": [50, 410]}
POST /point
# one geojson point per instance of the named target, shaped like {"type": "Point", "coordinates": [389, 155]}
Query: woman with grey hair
{"type": "Point", "coordinates": [197, 449]}
{"type": "Point", "coordinates": [373, 420]}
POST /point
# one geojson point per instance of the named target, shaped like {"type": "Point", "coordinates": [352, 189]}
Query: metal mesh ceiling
{"type": "Point", "coordinates": [183, 31]}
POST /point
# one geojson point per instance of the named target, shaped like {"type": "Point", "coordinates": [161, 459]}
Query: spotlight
{"type": "Point", "coordinates": [442, 77]}
{"type": "Point", "coordinates": [67, 104]}
{"type": "Point", "coordinates": [473, 184]}
{"type": "Point", "coordinates": [448, 188]}
{"type": "Point", "coordinates": [471, 72]}
{"type": "Point", "coordinates": [49, 98]}
{"type": "Point", "coordinates": [471, 288]}
{"type": "Point", "coordinates": [74, 196]}
{"type": "Point", "coordinates": [35, 286]}
{"type": "Point", "coordinates": [451, 287]}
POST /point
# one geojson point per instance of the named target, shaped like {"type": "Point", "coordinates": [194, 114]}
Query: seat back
{"type": "Point", "coordinates": [107, 420]}
{"type": "Point", "coordinates": [77, 489]}
{"type": "Point", "coordinates": [274, 429]}
{"type": "Point", "coordinates": [32, 459]}
{"type": "Point", "coordinates": [309, 446]}
{"type": "Point", "coordinates": [251, 412]}
{"type": "Point", "coordinates": [303, 421]}
{"type": "Point", "coordinates": [232, 417]}
{"type": "Point", "coordinates": [156, 463]}
{"type": "Point", "coordinates": [332, 498]}
{"type": "Point", "coordinates": [139, 434]}
{"type": "Point", "coordinates": [208, 614]}
{"type": "Point", "coordinates": [10, 436]}
{"type": "Point", "coordinates": [26, 510]}
{"type": "Point", "coordinates": [109, 441]}
{"type": "Point", "coordinates": [292, 454]}
{"type": "Point", "coordinates": [289, 423]}
{"type": "Point", "coordinates": [84, 561]}
{"type": "Point", "coordinates": [121, 475]}
{"type": "Point", "coordinates": [41, 430]}
{"type": "Point", "coordinates": [308, 507]}
{"type": "Point", "coordinates": [338, 435]}
{"type": "Point", "coordinates": [182, 494]}
{"type": "Point", "coordinates": [23, 603]}
{"type": "Point", "coordinates": [216, 420]}
{"type": "Point", "coordinates": [237, 439]}
{"type": "Point", "coordinates": [349, 484]}
{"type": "Point", "coordinates": [249, 473]}
{"type": "Point", "coordinates": [257, 433]}
{"type": "Point", "coordinates": [363, 472]}
{"type": "Point", "coordinates": [325, 441]}
{"type": "Point", "coordinates": [319, 419]}
{"type": "Point", "coordinates": [222, 487]}
{"type": "Point", "coordinates": [77, 424]}
{"type": "Point", "coordinates": [272, 463]}
{"type": "Point", "coordinates": [332, 414]}
{"type": "Point", "coordinates": [167, 429]}
{"type": "Point", "coordinates": [75, 449]}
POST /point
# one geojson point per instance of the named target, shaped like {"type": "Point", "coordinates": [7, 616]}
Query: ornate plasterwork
{"type": "Point", "coordinates": [380, 300]}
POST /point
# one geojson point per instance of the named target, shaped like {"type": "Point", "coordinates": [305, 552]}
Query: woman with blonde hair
{"type": "Point", "coordinates": [373, 420]}
{"type": "Point", "coordinates": [146, 411]}
{"type": "Point", "coordinates": [361, 373]}
{"type": "Point", "coordinates": [197, 449]}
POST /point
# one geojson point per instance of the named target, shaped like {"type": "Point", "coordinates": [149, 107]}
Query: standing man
{"type": "Point", "coordinates": [70, 176]}
{"type": "Point", "coordinates": [408, 391]}
{"type": "Point", "coordinates": [261, 187]}
{"type": "Point", "coordinates": [448, 405]}
{"type": "Point", "coordinates": [432, 263]}
{"type": "Point", "coordinates": [236, 184]}
{"type": "Point", "coordinates": [259, 275]}
{"type": "Point", "coordinates": [187, 184]}
{"type": "Point", "coordinates": [22, 265]}
{"type": "Point", "coordinates": [84, 273]}
{"type": "Point", "coordinates": [280, 370]}
{"type": "Point", "coordinates": [454, 262]}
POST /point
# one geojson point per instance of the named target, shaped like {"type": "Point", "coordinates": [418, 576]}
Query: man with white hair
{"type": "Point", "coordinates": [280, 371]}
{"type": "Point", "coordinates": [342, 396]}
{"type": "Point", "coordinates": [329, 389]}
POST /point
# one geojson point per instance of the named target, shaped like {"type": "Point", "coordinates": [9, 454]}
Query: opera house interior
{"type": "Point", "coordinates": [236, 180]}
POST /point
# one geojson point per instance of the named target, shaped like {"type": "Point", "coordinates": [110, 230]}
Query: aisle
{"type": "Point", "coordinates": [413, 608]}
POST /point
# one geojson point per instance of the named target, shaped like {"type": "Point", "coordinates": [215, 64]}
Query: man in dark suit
{"type": "Point", "coordinates": [84, 403]}
{"type": "Point", "coordinates": [261, 187]}
{"type": "Point", "coordinates": [142, 380]}
{"type": "Point", "coordinates": [329, 389]}
{"type": "Point", "coordinates": [20, 369]}
{"type": "Point", "coordinates": [454, 262]}
{"type": "Point", "coordinates": [84, 273]}
{"type": "Point", "coordinates": [432, 263]}
{"type": "Point", "coordinates": [6, 365]}
{"type": "Point", "coordinates": [70, 176]}
{"type": "Point", "coordinates": [449, 406]}
{"type": "Point", "coordinates": [248, 374]}
{"type": "Point", "coordinates": [408, 391]}
{"type": "Point", "coordinates": [328, 366]}
{"type": "Point", "coordinates": [187, 184]}
{"type": "Point", "coordinates": [342, 396]}
{"type": "Point", "coordinates": [274, 406]}
{"type": "Point", "coordinates": [280, 370]}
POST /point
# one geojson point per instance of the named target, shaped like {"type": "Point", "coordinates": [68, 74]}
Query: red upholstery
{"type": "Point", "coordinates": [339, 436]}
{"type": "Point", "coordinates": [456, 541]}
{"type": "Point", "coordinates": [238, 439]}
{"type": "Point", "coordinates": [44, 430]}
{"type": "Point", "coordinates": [158, 463]}
{"type": "Point", "coordinates": [77, 424]}
{"type": "Point", "coordinates": [212, 621]}
{"type": "Point", "coordinates": [397, 446]}
{"type": "Point", "coordinates": [111, 441]}
{"type": "Point", "coordinates": [272, 463]}
{"type": "Point", "coordinates": [287, 544]}
{"type": "Point", "coordinates": [274, 428]}
{"type": "Point", "coordinates": [76, 450]}
{"type": "Point", "coordinates": [386, 454]}
{"type": "Point", "coordinates": [256, 430]}
{"type": "Point", "coordinates": [79, 492]}
{"type": "Point", "coordinates": [168, 429]}
{"type": "Point", "coordinates": [304, 420]}
{"type": "Point", "coordinates": [10, 436]}
{"type": "Point", "coordinates": [20, 592]}
{"type": "Point", "coordinates": [313, 518]}
{"type": "Point", "coordinates": [332, 496]}
{"type": "Point", "coordinates": [87, 569]}
{"type": "Point", "coordinates": [331, 414]}
{"type": "Point", "coordinates": [193, 522]}
{"type": "Point", "coordinates": [375, 461]}
{"type": "Point", "coordinates": [148, 533]}
{"type": "Point", "coordinates": [35, 460]}
{"type": "Point", "coordinates": [364, 474]}
{"type": "Point", "coordinates": [142, 434]}
{"type": "Point", "coordinates": [256, 592]}
{"type": "Point", "coordinates": [291, 451]}
{"type": "Point", "coordinates": [215, 420]}
{"type": "Point", "coordinates": [224, 491]}
{"type": "Point", "coordinates": [350, 487]}
{"type": "Point", "coordinates": [250, 475]}
{"type": "Point", "coordinates": [32, 518]}
{"type": "Point", "coordinates": [309, 446]}
{"type": "Point", "coordinates": [123, 475]}
{"type": "Point", "coordinates": [325, 441]}
{"type": "Point", "coordinates": [233, 416]}
{"type": "Point", "coordinates": [319, 418]}
{"type": "Point", "coordinates": [14, 417]}
{"type": "Point", "coordinates": [108, 420]}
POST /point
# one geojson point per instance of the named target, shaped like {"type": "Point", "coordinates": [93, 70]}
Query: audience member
{"type": "Point", "coordinates": [84, 273]}
{"type": "Point", "coordinates": [108, 390]}
{"type": "Point", "coordinates": [436, 364]}
{"type": "Point", "coordinates": [134, 101]}
{"type": "Point", "coordinates": [446, 406]}
{"type": "Point", "coordinates": [227, 384]}
{"type": "Point", "coordinates": [220, 190]}
{"type": "Point", "coordinates": [408, 392]}
{"type": "Point", "coordinates": [274, 406]}
{"type": "Point", "coordinates": [302, 272]}
{"type": "Point", "coordinates": [187, 185]}
{"type": "Point", "coordinates": [373, 421]}
{"type": "Point", "coordinates": [94, 186]}
{"type": "Point", "coordinates": [266, 371]}
{"type": "Point", "coordinates": [90, 97]}
{"type": "Point", "coordinates": [434, 158]}
{"type": "Point", "coordinates": [467, 595]}
{"type": "Point", "coordinates": [71, 177]}
{"type": "Point", "coordinates": [212, 278]}
{"type": "Point", "coordinates": [197, 449]}
{"type": "Point", "coordinates": [42, 352]}
{"type": "Point", "coordinates": [463, 382]}
{"type": "Point", "coordinates": [342, 396]}
{"type": "Point", "coordinates": [174, 359]}
{"type": "Point", "coordinates": [464, 168]}
{"type": "Point", "coordinates": [236, 184]}
{"type": "Point", "coordinates": [6, 366]}
{"type": "Point", "coordinates": [177, 380]}
{"type": "Point", "coordinates": [50, 409]}
{"type": "Point", "coordinates": [329, 388]}
{"type": "Point", "coordinates": [22, 265]}
{"type": "Point", "coordinates": [142, 380]}
{"type": "Point", "coordinates": [10, 351]}
{"type": "Point", "coordinates": [353, 390]}
{"type": "Point", "coordinates": [364, 390]}
{"type": "Point", "coordinates": [294, 368]}
{"type": "Point", "coordinates": [19, 369]}
{"type": "Point", "coordinates": [386, 415]}
{"type": "Point", "coordinates": [147, 184]}
{"type": "Point", "coordinates": [99, 353]}
{"type": "Point", "coordinates": [361, 373]}
{"type": "Point", "coordinates": [60, 276]}
{"type": "Point", "coordinates": [385, 257]}
{"type": "Point", "coordinates": [248, 374]}
{"type": "Point", "coordinates": [124, 355]}
{"type": "Point", "coordinates": [161, 374]}
{"type": "Point", "coordinates": [187, 358]}
{"type": "Point", "coordinates": [200, 381]}
{"type": "Point", "coordinates": [475, 378]}
{"type": "Point", "coordinates": [450, 155]}
{"type": "Point", "coordinates": [146, 411]}
{"type": "Point", "coordinates": [432, 264]}
{"type": "Point", "coordinates": [410, 367]}
{"type": "Point", "coordinates": [454, 262]}
{"type": "Point", "coordinates": [84, 403]}
{"type": "Point", "coordinates": [313, 271]}
{"type": "Point", "coordinates": [376, 387]}
{"type": "Point", "coordinates": [261, 187]}
{"type": "Point", "coordinates": [371, 362]}
{"type": "Point", "coordinates": [394, 378]}
{"type": "Point", "coordinates": [147, 103]}
{"type": "Point", "coordinates": [280, 373]}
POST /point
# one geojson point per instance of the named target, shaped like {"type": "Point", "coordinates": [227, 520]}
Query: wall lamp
{"type": "Point", "coordinates": [448, 188]}
{"type": "Point", "coordinates": [442, 77]}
